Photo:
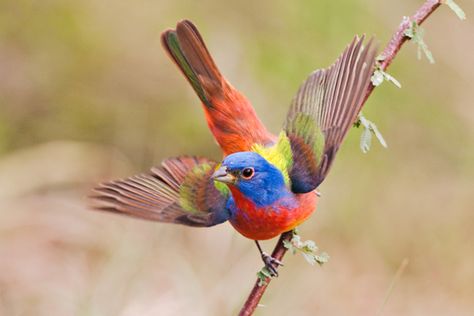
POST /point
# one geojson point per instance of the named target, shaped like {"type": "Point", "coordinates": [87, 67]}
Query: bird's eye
{"type": "Point", "coordinates": [247, 173]}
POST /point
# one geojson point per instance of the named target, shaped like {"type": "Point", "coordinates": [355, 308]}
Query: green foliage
{"type": "Point", "coordinates": [307, 248]}
{"type": "Point", "coordinates": [416, 33]}
{"type": "Point", "coordinates": [263, 275]}
{"type": "Point", "coordinates": [380, 76]}
{"type": "Point", "coordinates": [366, 136]}
{"type": "Point", "coordinates": [456, 8]}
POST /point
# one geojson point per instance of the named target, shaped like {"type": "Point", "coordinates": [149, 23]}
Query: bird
{"type": "Point", "coordinates": [266, 184]}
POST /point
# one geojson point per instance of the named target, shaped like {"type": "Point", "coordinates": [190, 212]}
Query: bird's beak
{"type": "Point", "coordinates": [222, 175]}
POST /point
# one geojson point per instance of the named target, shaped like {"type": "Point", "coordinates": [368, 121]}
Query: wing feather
{"type": "Point", "coordinates": [179, 191]}
{"type": "Point", "coordinates": [322, 112]}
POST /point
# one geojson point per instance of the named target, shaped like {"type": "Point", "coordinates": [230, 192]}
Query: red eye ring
{"type": "Point", "coordinates": [247, 173]}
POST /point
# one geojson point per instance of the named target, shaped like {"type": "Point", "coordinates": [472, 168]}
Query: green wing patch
{"type": "Point", "coordinates": [197, 191]}
{"type": "Point", "coordinates": [305, 127]}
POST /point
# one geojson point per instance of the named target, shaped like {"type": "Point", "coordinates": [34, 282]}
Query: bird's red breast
{"type": "Point", "coordinates": [260, 223]}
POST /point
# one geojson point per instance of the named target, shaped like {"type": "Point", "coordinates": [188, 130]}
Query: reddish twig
{"type": "Point", "coordinates": [399, 38]}
{"type": "Point", "coordinates": [388, 54]}
{"type": "Point", "coordinates": [258, 290]}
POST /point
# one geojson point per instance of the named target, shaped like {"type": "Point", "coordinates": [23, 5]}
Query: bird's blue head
{"type": "Point", "coordinates": [256, 178]}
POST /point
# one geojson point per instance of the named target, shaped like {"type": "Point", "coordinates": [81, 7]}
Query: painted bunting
{"type": "Point", "coordinates": [266, 184]}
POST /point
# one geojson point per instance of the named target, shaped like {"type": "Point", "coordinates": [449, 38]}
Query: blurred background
{"type": "Point", "coordinates": [88, 94]}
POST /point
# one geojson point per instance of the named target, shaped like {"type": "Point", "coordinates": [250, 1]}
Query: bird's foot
{"type": "Point", "coordinates": [271, 264]}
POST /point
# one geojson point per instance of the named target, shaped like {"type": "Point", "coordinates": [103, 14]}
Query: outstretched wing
{"type": "Point", "coordinates": [322, 112]}
{"type": "Point", "coordinates": [179, 191]}
{"type": "Point", "coordinates": [229, 114]}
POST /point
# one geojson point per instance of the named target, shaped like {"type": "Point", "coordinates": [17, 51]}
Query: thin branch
{"type": "Point", "coordinates": [389, 53]}
{"type": "Point", "coordinates": [252, 300]}
{"type": "Point", "coordinates": [399, 38]}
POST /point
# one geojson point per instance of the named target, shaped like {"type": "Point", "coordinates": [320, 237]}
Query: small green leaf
{"type": "Point", "coordinates": [377, 134]}
{"type": "Point", "coordinates": [366, 136]}
{"type": "Point", "coordinates": [310, 258]}
{"type": "Point", "coordinates": [416, 33]}
{"type": "Point", "coordinates": [423, 47]}
{"type": "Point", "coordinates": [263, 275]}
{"type": "Point", "coordinates": [377, 78]}
{"type": "Point", "coordinates": [266, 273]}
{"type": "Point", "coordinates": [309, 245]}
{"type": "Point", "coordinates": [456, 8]}
{"type": "Point", "coordinates": [287, 244]}
{"type": "Point", "coordinates": [391, 79]}
{"type": "Point", "coordinates": [365, 140]}
{"type": "Point", "coordinates": [322, 258]}
{"type": "Point", "coordinates": [308, 250]}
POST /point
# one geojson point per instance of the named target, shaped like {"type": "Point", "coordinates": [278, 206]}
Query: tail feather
{"type": "Point", "coordinates": [187, 49]}
{"type": "Point", "coordinates": [197, 54]}
{"type": "Point", "coordinates": [230, 116]}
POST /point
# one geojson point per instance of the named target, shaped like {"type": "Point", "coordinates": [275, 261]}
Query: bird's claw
{"type": "Point", "coordinates": [271, 264]}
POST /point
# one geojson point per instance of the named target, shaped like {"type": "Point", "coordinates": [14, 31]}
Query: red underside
{"type": "Point", "coordinates": [268, 222]}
